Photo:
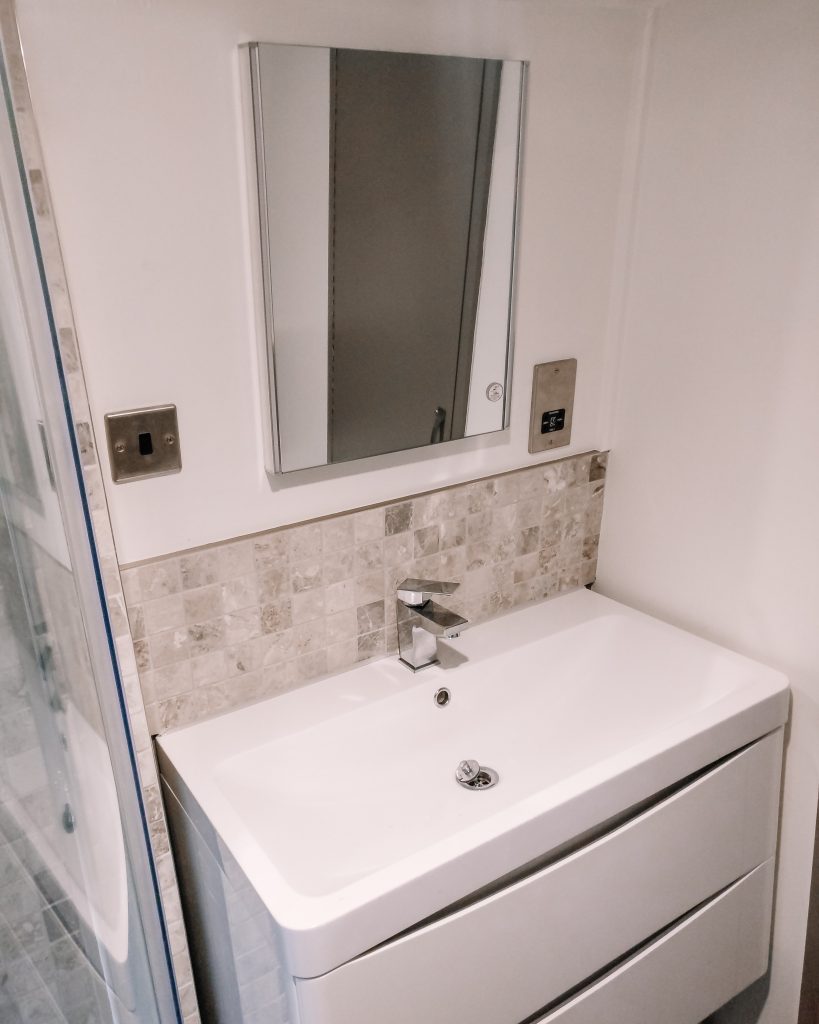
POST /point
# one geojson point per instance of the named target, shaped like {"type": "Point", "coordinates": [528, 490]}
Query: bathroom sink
{"type": "Point", "coordinates": [339, 801]}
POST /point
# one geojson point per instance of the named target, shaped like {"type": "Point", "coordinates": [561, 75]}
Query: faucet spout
{"type": "Point", "coordinates": [440, 621]}
{"type": "Point", "coordinates": [421, 621]}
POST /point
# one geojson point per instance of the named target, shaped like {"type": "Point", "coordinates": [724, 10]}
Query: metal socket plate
{"type": "Point", "coordinates": [143, 442]}
{"type": "Point", "coordinates": [552, 392]}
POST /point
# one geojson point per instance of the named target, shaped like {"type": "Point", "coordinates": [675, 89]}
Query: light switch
{"type": "Point", "coordinates": [550, 425]}
{"type": "Point", "coordinates": [143, 442]}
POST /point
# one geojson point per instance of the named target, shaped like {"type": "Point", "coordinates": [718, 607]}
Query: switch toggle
{"type": "Point", "coordinates": [143, 442]}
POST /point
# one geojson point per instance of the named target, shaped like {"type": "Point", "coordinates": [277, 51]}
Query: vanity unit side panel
{"type": "Point", "coordinates": [235, 952]}
{"type": "Point", "coordinates": [521, 948]}
{"type": "Point", "coordinates": [689, 971]}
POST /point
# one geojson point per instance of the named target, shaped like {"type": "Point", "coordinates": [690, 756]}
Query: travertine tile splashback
{"type": "Point", "coordinates": [223, 626]}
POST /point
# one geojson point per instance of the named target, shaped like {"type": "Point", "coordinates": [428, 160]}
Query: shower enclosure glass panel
{"type": "Point", "coordinates": [81, 938]}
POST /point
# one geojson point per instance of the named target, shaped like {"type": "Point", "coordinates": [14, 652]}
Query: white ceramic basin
{"type": "Point", "coordinates": [339, 801]}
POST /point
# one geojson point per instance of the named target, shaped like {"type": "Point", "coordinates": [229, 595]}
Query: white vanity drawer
{"type": "Point", "coordinates": [500, 959]}
{"type": "Point", "coordinates": [691, 969]}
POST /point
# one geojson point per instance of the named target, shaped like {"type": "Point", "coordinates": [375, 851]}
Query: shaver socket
{"type": "Point", "coordinates": [550, 425]}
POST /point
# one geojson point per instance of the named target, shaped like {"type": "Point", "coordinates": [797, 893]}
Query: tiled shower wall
{"type": "Point", "coordinates": [48, 968]}
{"type": "Point", "coordinates": [222, 626]}
{"type": "Point", "coordinates": [57, 289]}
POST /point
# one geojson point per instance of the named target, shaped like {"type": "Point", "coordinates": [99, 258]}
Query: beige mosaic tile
{"type": "Point", "coordinates": [226, 625]}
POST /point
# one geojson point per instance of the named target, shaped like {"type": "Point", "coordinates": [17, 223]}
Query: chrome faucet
{"type": "Point", "coordinates": [421, 621]}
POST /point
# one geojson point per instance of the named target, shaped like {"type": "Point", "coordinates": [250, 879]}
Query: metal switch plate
{"type": "Point", "coordinates": [143, 442]}
{"type": "Point", "coordinates": [550, 425]}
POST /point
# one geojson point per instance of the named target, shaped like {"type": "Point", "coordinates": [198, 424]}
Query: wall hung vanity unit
{"type": "Point", "coordinates": [384, 193]}
{"type": "Point", "coordinates": [620, 869]}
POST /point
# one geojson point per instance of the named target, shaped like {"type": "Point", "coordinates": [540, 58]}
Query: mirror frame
{"type": "Point", "coordinates": [261, 264]}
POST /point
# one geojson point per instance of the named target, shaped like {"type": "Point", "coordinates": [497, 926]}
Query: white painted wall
{"type": "Point", "coordinates": [712, 503]}
{"type": "Point", "coordinates": [138, 105]}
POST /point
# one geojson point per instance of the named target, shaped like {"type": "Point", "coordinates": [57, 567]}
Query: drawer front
{"type": "Point", "coordinates": [500, 959]}
{"type": "Point", "coordinates": [691, 970]}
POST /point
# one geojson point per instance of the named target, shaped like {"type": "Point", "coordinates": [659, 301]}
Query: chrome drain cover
{"type": "Point", "coordinates": [472, 775]}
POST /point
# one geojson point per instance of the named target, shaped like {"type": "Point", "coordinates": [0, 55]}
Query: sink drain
{"type": "Point", "coordinates": [485, 778]}
{"type": "Point", "coordinates": [472, 775]}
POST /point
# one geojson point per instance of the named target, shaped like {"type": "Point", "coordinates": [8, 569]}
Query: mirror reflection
{"type": "Point", "coordinates": [387, 190]}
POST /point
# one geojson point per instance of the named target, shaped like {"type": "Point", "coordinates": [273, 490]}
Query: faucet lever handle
{"type": "Point", "coordinates": [417, 592]}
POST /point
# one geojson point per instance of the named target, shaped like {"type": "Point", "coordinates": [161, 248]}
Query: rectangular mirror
{"type": "Point", "coordinates": [387, 192]}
